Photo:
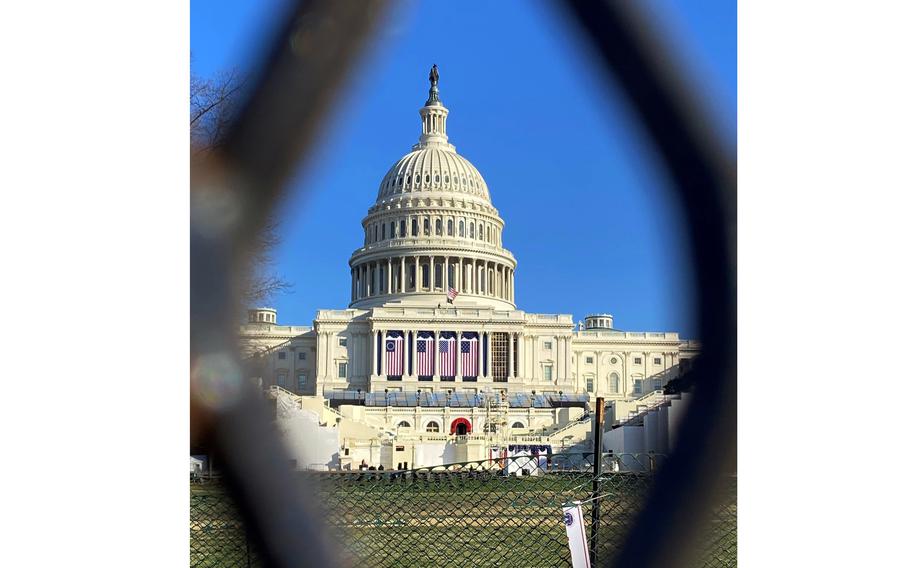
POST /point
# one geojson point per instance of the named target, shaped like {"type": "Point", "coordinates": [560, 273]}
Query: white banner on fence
{"type": "Point", "coordinates": [574, 519]}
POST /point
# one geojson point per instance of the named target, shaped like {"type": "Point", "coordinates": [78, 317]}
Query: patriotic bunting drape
{"type": "Point", "coordinates": [425, 354]}
{"type": "Point", "coordinates": [469, 352]}
{"type": "Point", "coordinates": [394, 354]}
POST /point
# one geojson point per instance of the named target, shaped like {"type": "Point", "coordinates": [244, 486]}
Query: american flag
{"type": "Point", "coordinates": [447, 356]}
{"type": "Point", "coordinates": [394, 356]}
{"type": "Point", "coordinates": [425, 356]}
{"type": "Point", "coordinates": [451, 294]}
{"type": "Point", "coordinates": [469, 356]}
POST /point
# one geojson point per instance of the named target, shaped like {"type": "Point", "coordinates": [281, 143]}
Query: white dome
{"type": "Point", "coordinates": [433, 169]}
{"type": "Point", "coordinates": [433, 230]}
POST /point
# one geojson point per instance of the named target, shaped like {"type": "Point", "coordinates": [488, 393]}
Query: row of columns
{"type": "Point", "coordinates": [484, 353]}
{"type": "Point", "coordinates": [470, 276]}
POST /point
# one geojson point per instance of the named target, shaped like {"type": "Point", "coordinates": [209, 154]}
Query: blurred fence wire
{"type": "Point", "coordinates": [504, 512]}
{"type": "Point", "coordinates": [235, 188]}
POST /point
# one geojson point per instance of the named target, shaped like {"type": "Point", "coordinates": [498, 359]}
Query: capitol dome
{"type": "Point", "coordinates": [433, 231]}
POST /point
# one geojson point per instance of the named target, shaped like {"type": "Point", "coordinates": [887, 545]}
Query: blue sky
{"type": "Point", "coordinates": [586, 206]}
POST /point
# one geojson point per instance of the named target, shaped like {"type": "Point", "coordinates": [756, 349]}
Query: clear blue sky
{"type": "Point", "coordinates": [586, 206]}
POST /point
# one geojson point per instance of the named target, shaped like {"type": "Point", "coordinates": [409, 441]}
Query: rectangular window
{"type": "Point", "coordinates": [548, 372]}
{"type": "Point", "coordinates": [301, 381]}
{"type": "Point", "coordinates": [589, 383]}
{"type": "Point", "coordinates": [301, 356]}
{"type": "Point", "coordinates": [589, 360]}
{"type": "Point", "coordinates": [657, 360]}
{"type": "Point", "coordinates": [548, 345]}
{"type": "Point", "coordinates": [343, 341]}
{"type": "Point", "coordinates": [636, 388]}
{"type": "Point", "coordinates": [499, 343]}
{"type": "Point", "coordinates": [282, 355]}
{"type": "Point", "coordinates": [342, 370]}
{"type": "Point", "coordinates": [282, 380]}
{"type": "Point", "coordinates": [638, 360]}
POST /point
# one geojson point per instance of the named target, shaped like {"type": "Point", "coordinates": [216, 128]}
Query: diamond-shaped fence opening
{"type": "Point", "coordinates": [488, 513]}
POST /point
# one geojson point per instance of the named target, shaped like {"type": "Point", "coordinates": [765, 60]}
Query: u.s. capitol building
{"type": "Point", "coordinates": [432, 328]}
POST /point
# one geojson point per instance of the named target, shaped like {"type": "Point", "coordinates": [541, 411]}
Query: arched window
{"type": "Point", "coordinates": [383, 231]}
{"type": "Point", "coordinates": [392, 230]}
{"type": "Point", "coordinates": [437, 178]}
{"type": "Point", "coordinates": [426, 226]}
{"type": "Point", "coordinates": [404, 424]}
{"type": "Point", "coordinates": [402, 227]}
{"type": "Point", "coordinates": [425, 270]}
{"type": "Point", "coordinates": [483, 280]}
{"type": "Point", "coordinates": [449, 227]}
{"type": "Point", "coordinates": [517, 425]}
{"type": "Point", "coordinates": [471, 233]}
{"type": "Point", "coordinates": [439, 227]}
{"type": "Point", "coordinates": [480, 231]}
{"type": "Point", "coordinates": [414, 232]}
{"type": "Point", "coordinates": [461, 228]}
{"type": "Point", "coordinates": [438, 280]}
{"type": "Point", "coordinates": [426, 178]}
{"type": "Point", "coordinates": [614, 382]}
{"type": "Point", "coordinates": [433, 427]}
{"type": "Point", "coordinates": [409, 179]}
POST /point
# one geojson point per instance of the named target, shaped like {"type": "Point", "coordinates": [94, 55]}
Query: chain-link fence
{"type": "Point", "coordinates": [498, 512]}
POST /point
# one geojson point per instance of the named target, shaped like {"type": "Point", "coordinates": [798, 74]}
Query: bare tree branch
{"type": "Point", "coordinates": [212, 106]}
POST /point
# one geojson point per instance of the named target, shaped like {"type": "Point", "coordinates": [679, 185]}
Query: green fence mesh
{"type": "Point", "coordinates": [491, 513]}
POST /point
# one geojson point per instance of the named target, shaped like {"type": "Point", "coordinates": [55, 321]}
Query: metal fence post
{"type": "Point", "coordinates": [598, 468]}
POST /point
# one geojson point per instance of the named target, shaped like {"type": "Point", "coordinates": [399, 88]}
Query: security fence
{"type": "Point", "coordinates": [497, 512]}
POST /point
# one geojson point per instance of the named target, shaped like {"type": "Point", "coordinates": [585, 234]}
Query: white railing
{"type": "Point", "coordinates": [645, 404]}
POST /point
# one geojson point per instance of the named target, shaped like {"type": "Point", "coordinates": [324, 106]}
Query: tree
{"type": "Point", "coordinates": [212, 104]}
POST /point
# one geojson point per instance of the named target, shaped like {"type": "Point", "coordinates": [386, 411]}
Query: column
{"type": "Point", "coordinates": [519, 366]}
{"type": "Point", "coordinates": [352, 284]}
{"type": "Point", "coordinates": [432, 273]}
{"type": "Point", "coordinates": [502, 286]}
{"type": "Point", "coordinates": [416, 273]}
{"type": "Point", "coordinates": [535, 354]}
{"type": "Point", "coordinates": [481, 354]}
{"type": "Point", "coordinates": [445, 276]}
{"type": "Point", "coordinates": [458, 356]}
{"type": "Point", "coordinates": [369, 290]}
{"type": "Point", "coordinates": [489, 347]}
{"type": "Point", "coordinates": [475, 279]}
{"type": "Point", "coordinates": [511, 366]}
{"type": "Point", "coordinates": [407, 353]}
{"type": "Point", "coordinates": [414, 353]}
{"type": "Point", "coordinates": [374, 337]}
{"type": "Point", "coordinates": [560, 357]}
{"type": "Point", "coordinates": [436, 355]}
{"type": "Point", "coordinates": [388, 288]}
{"type": "Point", "coordinates": [401, 275]}
{"type": "Point", "coordinates": [380, 352]}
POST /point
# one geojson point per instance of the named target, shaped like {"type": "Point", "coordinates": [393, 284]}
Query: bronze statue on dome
{"type": "Point", "coordinates": [434, 75]}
